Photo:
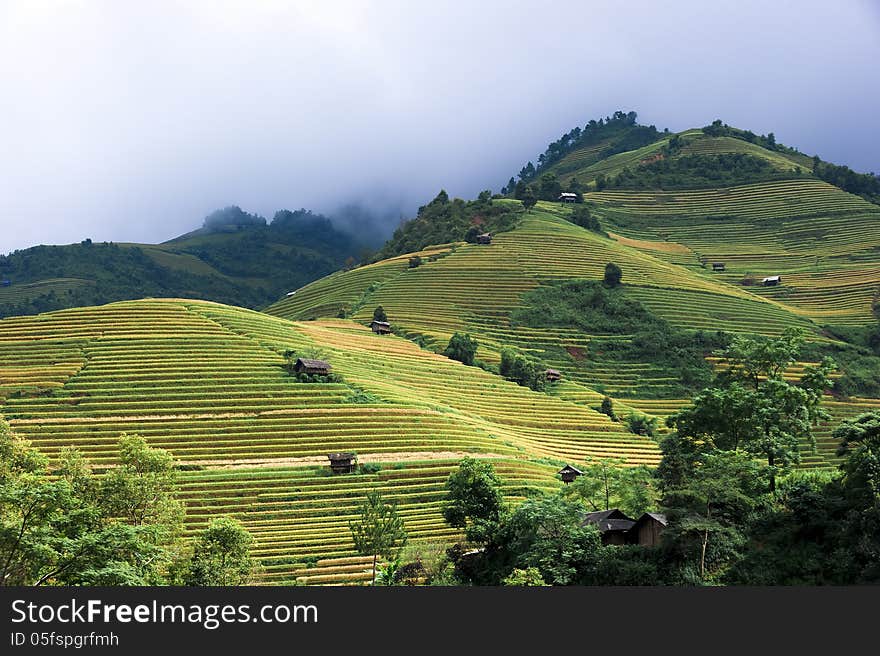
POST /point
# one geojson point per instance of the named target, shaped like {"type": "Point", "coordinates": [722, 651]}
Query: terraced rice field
{"type": "Point", "coordinates": [206, 382]}
{"type": "Point", "coordinates": [824, 242]}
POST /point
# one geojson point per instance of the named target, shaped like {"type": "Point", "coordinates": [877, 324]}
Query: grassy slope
{"type": "Point", "coordinates": [823, 241]}
{"type": "Point", "coordinates": [205, 381]}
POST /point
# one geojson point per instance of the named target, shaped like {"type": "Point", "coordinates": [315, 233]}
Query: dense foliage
{"type": "Point", "coordinates": [595, 309]}
{"type": "Point", "coordinates": [620, 132]}
{"type": "Point", "coordinates": [443, 221]}
{"type": "Point", "coordinates": [250, 264]}
{"type": "Point", "coordinates": [697, 171]}
{"type": "Point", "coordinates": [866, 185]}
{"type": "Point", "coordinates": [72, 526]}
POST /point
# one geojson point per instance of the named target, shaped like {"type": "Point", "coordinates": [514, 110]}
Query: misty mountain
{"type": "Point", "coordinates": [235, 257]}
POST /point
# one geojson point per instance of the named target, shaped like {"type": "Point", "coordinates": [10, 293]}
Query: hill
{"type": "Point", "coordinates": [207, 382]}
{"type": "Point", "coordinates": [234, 258]}
{"type": "Point", "coordinates": [530, 287]}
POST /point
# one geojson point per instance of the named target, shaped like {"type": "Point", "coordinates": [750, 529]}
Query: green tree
{"type": "Point", "coordinates": [531, 576]}
{"type": "Point", "coordinates": [529, 200]}
{"type": "Point", "coordinates": [379, 314]}
{"type": "Point", "coordinates": [415, 261]}
{"type": "Point", "coordinates": [473, 499]}
{"type": "Point", "coordinates": [607, 407]}
{"type": "Point", "coordinates": [613, 275]}
{"type": "Point", "coordinates": [708, 511]}
{"type": "Point", "coordinates": [378, 530]}
{"type": "Point", "coordinates": [606, 483]}
{"type": "Point", "coordinates": [549, 187]}
{"type": "Point", "coordinates": [548, 533]}
{"type": "Point", "coordinates": [522, 370]}
{"type": "Point", "coordinates": [860, 445]}
{"type": "Point", "coordinates": [462, 347]}
{"type": "Point", "coordinates": [221, 555]}
{"type": "Point", "coordinates": [755, 408]}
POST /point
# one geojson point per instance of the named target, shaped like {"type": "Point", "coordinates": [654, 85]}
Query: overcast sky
{"type": "Point", "coordinates": [130, 121]}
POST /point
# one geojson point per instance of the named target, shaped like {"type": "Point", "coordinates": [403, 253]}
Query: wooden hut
{"type": "Point", "coordinates": [717, 266]}
{"type": "Point", "coordinates": [569, 473]}
{"type": "Point", "coordinates": [612, 524]}
{"type": "Point", "coordinates": [771, 281]}
{"type": "Point", "coordinates": [308, 366]}
{"type": "Point", "coordinates": [647, 529]}
{"type": "Point", "coordinates": [342, 463]}
{"type": "Point", "coordinates": [552, 375]}
{"type": "Point", "coordinates": [381, 327]}
{"type": "Point", "coordinates": [567, 197]}
{"type": "Point", "coordinates": [485, 238]}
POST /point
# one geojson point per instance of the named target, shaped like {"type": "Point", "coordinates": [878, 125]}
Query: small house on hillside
{"type": "Point", "coordinates": [717, 266]}
{"type": "Point", "coordinates": [308, 366]}
{"type": "Point", "coordinates": [342, 463]}
{"type": "Point", "coordinates": [647, 529]}
{"type": "Point", "coordinates": [567, 197]}
{"type": "Point", "coordinates": [569, 473]}
{"type": "Point", "coordinates": [6, 283]}
{"type": "Point", "coordinates": [771, 281]}
{"type": "Point", "coordinates": [381, 327]}
{"type": "Point", "coordinates": [612, 524]}
{"type": "Point", "coordinates": [485, 238]}
{"type": "Point", "coordinates": [552, 375]}
{"type": "Point", "coordinates": [290, 293]}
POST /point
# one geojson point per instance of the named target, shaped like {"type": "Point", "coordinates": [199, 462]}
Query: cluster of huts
{"type": "Point", "coordinates": [614, 525]}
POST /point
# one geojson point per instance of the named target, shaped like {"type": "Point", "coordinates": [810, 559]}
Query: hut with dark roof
{"type": "Point", "coordinates": [485, 238]}
{"type": "Point", "coordinates": [381, 327]}
{"type": "Point", "coordinates": [552, 375]}
{"type": "Point", "coordinates": [309, 366]}
{"type": "Point", "coordinates": [569, 473]}
{"type": "Point", "coordinates": [717, 266]}
{"type": "Point", "coordinates": [612, 524]}
{"type": "Point", "coordinates": [342, 463]}
{"type": "Point", "coordinates": [647, 529]}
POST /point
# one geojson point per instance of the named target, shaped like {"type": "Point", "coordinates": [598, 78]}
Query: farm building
{"type": "Point", "coordinates": [485, 238]}
{"type": "Point", "coordinates": [770, 281]}
{"type": "Point", "coordinates": [290, 293]}
{"type": "Point", "coordinates": [552, 375]}
{"type": "Point", "coordinates": [647, 529]}
{"type": "Point", "coordinates": [342, 463]}
{"type": "Point", "coordinates": [567, 197]}
{"type": "Point", "coordinates": [307, 366]}
{"type": "Point", "coordinates": [717, 266]}
{"type": "Point", "coordinates": [612, 524]}
{"type": "Point", "coordinates": [381, 327]}
{"type": "Point", "coordinates": [569, 473]}
{"type": "Point", "coordinates": [6, 283]}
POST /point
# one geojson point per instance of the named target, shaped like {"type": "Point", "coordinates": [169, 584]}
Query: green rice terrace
{"type": "Point", "coordinates": [211, 382]}
{"type": "Point", "coordinates": [207, 382]}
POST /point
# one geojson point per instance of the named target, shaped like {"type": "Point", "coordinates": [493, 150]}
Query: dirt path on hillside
{"type": "Point", "coordinates": [406, 456]}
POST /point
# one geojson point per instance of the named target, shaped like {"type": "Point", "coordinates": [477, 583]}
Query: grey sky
{"type": "Point", "coordinates": [130, 121]}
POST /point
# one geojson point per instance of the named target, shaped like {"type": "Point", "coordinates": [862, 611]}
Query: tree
{"type": "Point", "coordinates": [548, 533]}
{"type": "Point", "coordinates": [860, 445]}
{"type": "Point", "coordinates": [462, 347]}
{"type": "Point", "coordinates": [221, 555]}
{"type": "Point", "coordinates": [522, 370]}
{"type": "Point", "coordinates": [607, 408]}
{"type": "Point", "coordinates": [613, 275]}
{"type": "Point", "coordinates": [606, 483]}
{"type": "Point", "coordinates": [549, 187]}
{"type": "Point", "coordinates": [379, 314]}
{"type": "Point", "coordinates": [415, 261]}
{"type": "Point", "coordinates": [473, 500]}
{"type": "Point", "coordinates": [529, 200]}
{"type": "Point", "coordinates": [531, 576]}
{"type": "Point", "coordinates": [581, 216]}
{"type": "Point", "coordinates": [708, 511]}
{"type": "Point", "coordinates": [754, 408]}
{"type": "Point", "coordinates": [378, 530]}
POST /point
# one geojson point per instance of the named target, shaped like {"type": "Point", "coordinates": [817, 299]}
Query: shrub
{"type": "Point", "coordinates": [415, 261]}
{"type": "Point", "coordinates": [521, 370]}
{"type": "Point", "coordinates": [462, 347]}
{"type": "Point", "coordinates": [613, 274]}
